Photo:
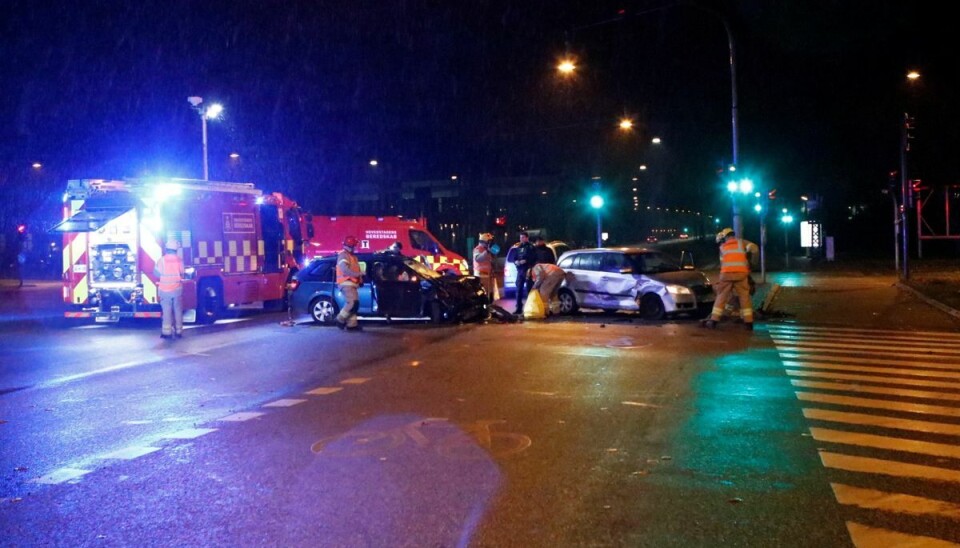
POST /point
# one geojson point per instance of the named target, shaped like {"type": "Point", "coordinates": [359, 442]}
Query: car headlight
{"type": "Point", "coordinates": [678, 290]}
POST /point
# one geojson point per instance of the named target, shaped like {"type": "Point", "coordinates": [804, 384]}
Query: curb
{"type": "Point", "coordinates": [934, 303]}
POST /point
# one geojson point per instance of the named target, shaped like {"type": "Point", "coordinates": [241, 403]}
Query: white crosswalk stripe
{"type": "Point", "coordinates": [884, 406]}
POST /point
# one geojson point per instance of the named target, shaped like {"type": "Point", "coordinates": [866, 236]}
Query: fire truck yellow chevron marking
{"type": "Point", "coordinates": [82, 291]}
{"type": "Point", "coordinates": [149, 290]}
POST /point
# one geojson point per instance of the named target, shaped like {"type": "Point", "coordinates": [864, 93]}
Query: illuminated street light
{"type": "Point", "coordinates": [566, 66]}
{"type": "Point", "coordinates": [626, 124]}
{"type": "Point", "coordinates": [758, 208]}
{"type": "Point", "coordinates": [913, 75]}
{"type": "Point", "coordinates": [656, 140]}
{"type": "Point", "coordinates": [453, 177]}
{"type": "Point", "coordinates": [234, 155]}
{"type": "Point", "coordinates": [374, 163]}
{"type": "Point", "coordinates": [643, 167]}
{"type": "Point", "coordinates": [211, 113]}
{"type": "Point", "coordinates": [37, 165]}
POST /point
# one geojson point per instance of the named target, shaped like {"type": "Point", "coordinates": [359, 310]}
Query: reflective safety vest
{"type": "Point", "coordinates": [348, 269]}
{"type": "Point", "coordinates": [482, 261]}
{"type": "Point", "coordinates": [541, 270]}
{"type": "Point", "coordinates": [170, 269]}
{"type": "Point", "coordinates": [733, 257]}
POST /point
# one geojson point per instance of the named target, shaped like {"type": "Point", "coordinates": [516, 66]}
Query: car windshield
{"type": "Point", "coordinates": [652, 263]}
{"type": "Point", "coordinates": [421, 269]}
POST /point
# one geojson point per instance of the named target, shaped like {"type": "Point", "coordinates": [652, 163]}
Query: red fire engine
{"type": "Point", "coordinates": [324, 236]}
{"type": "Point", "coordinates": [237, 245]}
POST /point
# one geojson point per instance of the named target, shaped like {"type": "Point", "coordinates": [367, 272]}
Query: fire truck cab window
{"type": "Point", "coordinates": [422, 241]}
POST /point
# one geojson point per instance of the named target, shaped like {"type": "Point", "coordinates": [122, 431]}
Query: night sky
{"type": "Point", "coordinates": [314, 90]}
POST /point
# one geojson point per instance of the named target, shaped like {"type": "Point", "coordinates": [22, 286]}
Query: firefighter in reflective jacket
{"type": "Point", "coordinates": [349, 278]}
{"type": "Point", "coordinates": [547, 279]}
{"type": "Point", "coordinates": [483, 263]}
{"type": "Point", "coordinates": [170, 290]}
{"type": "Point", "coordinates": [735, 255]}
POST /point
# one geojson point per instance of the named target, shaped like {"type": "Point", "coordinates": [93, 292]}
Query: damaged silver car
{"type": "Point", "coordinates": [634, 279]}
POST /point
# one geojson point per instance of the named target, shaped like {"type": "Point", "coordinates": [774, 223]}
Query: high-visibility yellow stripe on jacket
{"type": "Point", "coordinates": [170, 268]}
{"type": "Point", "coordinates": [733, 257]}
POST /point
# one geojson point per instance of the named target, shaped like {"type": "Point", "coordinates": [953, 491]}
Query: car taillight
{"type": "Point", "coordinates": [292, 285]}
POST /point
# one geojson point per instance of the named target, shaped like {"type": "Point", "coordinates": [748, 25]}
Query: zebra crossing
{"type": "Point", "coordinates": [884, 407]}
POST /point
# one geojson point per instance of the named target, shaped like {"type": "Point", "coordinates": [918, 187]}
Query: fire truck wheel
{"type": "Point", "coordinates": [209, 303]}
{"type": "Point", "coordinates": [323, 310]}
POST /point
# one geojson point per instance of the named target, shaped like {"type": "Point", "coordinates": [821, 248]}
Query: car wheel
{"type": "Point", "coordinates": [323, 310]}
{"type": "Point", "coordinates": [651, 307]}
{"type": "Point", "coordinates": [568, 302]}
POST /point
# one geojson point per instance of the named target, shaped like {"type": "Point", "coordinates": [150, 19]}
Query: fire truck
{"type": "Point", "coordinates": [237, 246]}
{"type": "Point", "coordinates": [323, 235]}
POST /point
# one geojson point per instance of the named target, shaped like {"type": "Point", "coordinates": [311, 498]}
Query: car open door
{"type": "Point", "coordinates": [396, 294]}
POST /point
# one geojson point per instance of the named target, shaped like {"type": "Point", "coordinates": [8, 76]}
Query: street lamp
{"type": "Point", "coordinates": [210, 113]}
{"type": "Point", "coordinates": [596, 202]}
{"type": "Point", "coordinates": [906, 136]}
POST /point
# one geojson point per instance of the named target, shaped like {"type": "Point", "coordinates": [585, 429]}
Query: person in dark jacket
{"type": "Point", "coordinates": [543, 253]}
{"type": "Point", "coordinates": [524, 261]}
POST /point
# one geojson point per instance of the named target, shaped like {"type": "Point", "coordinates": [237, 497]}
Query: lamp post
{"type": "Point", "coordinates": [906, 197]}
{"type": "Point", "coordinates": [210, 113]}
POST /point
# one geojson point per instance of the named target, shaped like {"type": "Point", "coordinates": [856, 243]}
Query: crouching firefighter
{"type": "Point", "coordinates": [547, 279]}
{"type": "Point", "coordinates": [735, 258]}
{"type": "Point", "coordinates": [349, 279]}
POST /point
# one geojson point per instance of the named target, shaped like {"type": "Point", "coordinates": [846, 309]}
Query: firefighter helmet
{"type": "Point", "coordinates": [722, 235]}
{"type": "Point", "coordinates": [486, 237]}
{"type": "Point", "coordinates": [350, 242]}
{"type": "Point", "coordinates": [172, 245]}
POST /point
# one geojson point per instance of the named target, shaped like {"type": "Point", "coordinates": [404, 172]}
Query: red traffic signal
{"type": "Point", "coordinates": [500, 221]}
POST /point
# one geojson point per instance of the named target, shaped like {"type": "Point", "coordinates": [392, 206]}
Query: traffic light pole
{"type": "Point", "coordinates": [904, 198]}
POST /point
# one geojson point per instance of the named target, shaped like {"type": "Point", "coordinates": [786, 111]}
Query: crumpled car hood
{"type": "Point", "coordinates": [686, 278]}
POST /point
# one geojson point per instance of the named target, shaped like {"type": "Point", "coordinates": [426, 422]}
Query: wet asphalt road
{"type": "Point", "coordinates": [595, 430]}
